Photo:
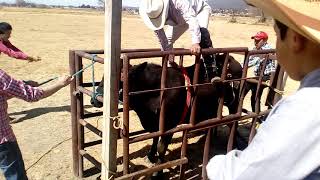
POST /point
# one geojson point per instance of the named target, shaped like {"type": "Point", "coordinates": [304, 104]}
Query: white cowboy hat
{"type": "Point", "coordinates": [154, 13]}
{"type": "Point", "coordinates": [302, 16]}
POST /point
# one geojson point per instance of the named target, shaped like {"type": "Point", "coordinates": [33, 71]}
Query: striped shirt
{"type": "Point", "coordinates": [9, 88]}
{"type": "Point", "coordinates": [181, 12]}
{"type": "Point", "coordinates": [7, 48]}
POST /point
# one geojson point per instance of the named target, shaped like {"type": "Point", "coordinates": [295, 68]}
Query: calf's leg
{"type": "Point", "coordinates": [152, 153]}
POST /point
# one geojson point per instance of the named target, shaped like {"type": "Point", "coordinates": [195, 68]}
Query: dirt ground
{"type": "Point", "coordinates": [50, 33]}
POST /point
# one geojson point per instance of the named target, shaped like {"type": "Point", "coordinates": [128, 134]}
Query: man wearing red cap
{"type": "Point", "coordinates": [260, 43]}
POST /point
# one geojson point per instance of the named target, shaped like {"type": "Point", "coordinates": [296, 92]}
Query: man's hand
{"type": "Point", "coordinates": [62, 82]}
{"type": "Point", "coordinates": [34, 59]}
{"type": "Point", "coordinates": [65, 80]}
{"type": "Point", "coordinates": [195, 49]}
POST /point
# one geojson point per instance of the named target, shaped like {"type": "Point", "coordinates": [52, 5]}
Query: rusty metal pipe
{"type": "Point", "coordinates": [162, 99]}
{"type": "Point", "coordinates": [183, 153]}
{"type": "Point", "coordinates": [91, 159]}
{"type": "Point", "coordinates": [210, 123]}
{"type": "Point", "coordinates": [126, 109]}
{"type": "Point", "coordinates": [154, 169]}
{"type": "Point", "coordinates": [206, 150]}
{"type": "Point", "coordinates": [77, 95]}
{"type": "Point", "coordinates": [232, 136]}
{"type": "Point", "coordinates": [266, 51]}
{"type": "Point", "coordinates": [145, 50]}
{"type": "Point", "coordinates": [124, 50]}
{"type": "Point", "coordinates": [80, 113]}
{"type": "Point", "coordinates": [194, 100]}
{"type": "Point", "coordinates": [183, 87]}
{"type": "Point", "coordinates": [257, 99]}
{"type": "Point", "coordinates": [223, 77]}
{"type": "Point", "coordinates": [90, 127]}
{"type": "Point", "coordinates": [140, 55]}
{"type": "Point", "coordinates": [89, 93]}
{"type": "Point", "coordinates": [89, 56]}
{"type": "Point", "coordinates": [243, 82]}
{"type": "Point", "coordinates": [92, 143]}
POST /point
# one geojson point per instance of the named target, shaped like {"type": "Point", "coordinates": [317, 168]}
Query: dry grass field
{"type": "Point", "coordinates": [50, 34]}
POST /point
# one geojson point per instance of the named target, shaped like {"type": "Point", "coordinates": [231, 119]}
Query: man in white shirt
{"type": "Point", "coordinates": [179, 16]}
{"type": "Point", "coordinates": [287, 145]}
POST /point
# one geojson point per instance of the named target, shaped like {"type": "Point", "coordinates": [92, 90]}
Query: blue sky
{"type": "Point", "coordinates": [73, 2]}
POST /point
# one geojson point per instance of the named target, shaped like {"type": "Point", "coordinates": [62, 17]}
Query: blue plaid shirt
{"type": "Point", "coordinates": [257, 62]}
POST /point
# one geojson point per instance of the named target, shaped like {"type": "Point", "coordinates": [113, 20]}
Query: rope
{"type": "Point", "coordinates": [115, 119]}
{"type": "Point", "coordinates": [76, 73]}
{"type": "Point", "coordinates": [55, 146]}
{"type": "Point", "coordinates": [81, 70]}
{"type": "Point", "coordinates": [93, 79]}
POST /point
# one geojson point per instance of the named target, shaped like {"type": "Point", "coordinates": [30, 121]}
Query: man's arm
{"type": "Point", "coordinates": [253, 60]}
{"type": "Point", "coordinates": [190, 17]}
{"type": "Point", "coordinates": [12, 51]}
{"type": "Point", "coordinates": [15, 88]}
{"type": "Point", "coordinates": [62, 82]}
{"type": "Point", "coordinates": [18, 53]}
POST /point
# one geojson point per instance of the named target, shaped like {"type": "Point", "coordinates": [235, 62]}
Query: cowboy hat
{"type": "Point", "coordinates": [302, 16]}
{"type": "Point", "coordinates": [154, 13]}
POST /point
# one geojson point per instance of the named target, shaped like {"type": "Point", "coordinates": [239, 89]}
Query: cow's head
{"type": "Point", "coordinates": [100, 89]}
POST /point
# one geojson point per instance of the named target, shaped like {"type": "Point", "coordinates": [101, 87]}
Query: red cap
{"type": "Point", "coordinates": [260, 35]}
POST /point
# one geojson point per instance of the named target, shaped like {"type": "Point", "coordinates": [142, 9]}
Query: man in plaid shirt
{"type": "Point", "coordinates": [11, 162]}
{"type": "Point", "coordinates": [261, 43]}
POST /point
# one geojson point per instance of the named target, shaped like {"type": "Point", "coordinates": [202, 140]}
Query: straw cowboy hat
{"type": "Point", "coordinates": [154, 13]}
{"type": "Point", "coordinates": [302, 16]}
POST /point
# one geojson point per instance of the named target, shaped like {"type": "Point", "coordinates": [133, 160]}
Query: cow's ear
{"type": "Point", "coordinates": [142, 66]}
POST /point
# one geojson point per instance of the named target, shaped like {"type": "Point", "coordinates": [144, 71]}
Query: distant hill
{"type": "Point", "coordinates": [225, 4]}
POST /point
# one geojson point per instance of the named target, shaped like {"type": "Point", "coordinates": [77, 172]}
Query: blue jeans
{"type": "Point", "coordinates": [315, 175]}
{"type": "Point", "coordinates": [11, 162]}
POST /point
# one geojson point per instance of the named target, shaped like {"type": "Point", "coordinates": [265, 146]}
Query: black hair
{"type": "Point", "coordinates": [4, 27]}
{"type": "Point", "coordinates": [282, 28]}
